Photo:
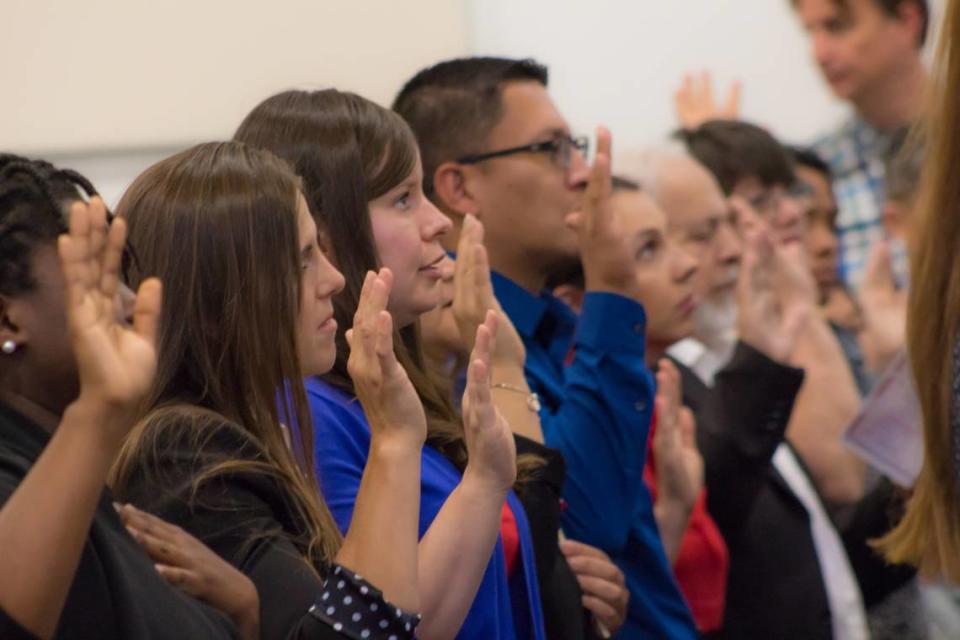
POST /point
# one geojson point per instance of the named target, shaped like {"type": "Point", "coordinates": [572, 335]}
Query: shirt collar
{"type": "Point", "coordinates": [524, 309]}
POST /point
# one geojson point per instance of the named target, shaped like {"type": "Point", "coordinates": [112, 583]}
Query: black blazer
{"type": "Point", "coordinates": [775, 588]}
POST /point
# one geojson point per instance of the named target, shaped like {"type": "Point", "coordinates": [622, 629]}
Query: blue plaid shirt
{"type": "Point", "coordinates": [855, 153]}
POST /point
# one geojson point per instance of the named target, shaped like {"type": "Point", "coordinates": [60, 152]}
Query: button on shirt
{"type": "Point", "coordinates": [596, 410]}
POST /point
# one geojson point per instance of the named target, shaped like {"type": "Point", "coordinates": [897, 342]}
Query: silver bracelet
{"type": "Point", "coordinates": [533, 400]}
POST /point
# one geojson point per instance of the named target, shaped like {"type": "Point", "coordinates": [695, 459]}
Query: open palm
{"type": "Point", "coordinates": [115, 362]}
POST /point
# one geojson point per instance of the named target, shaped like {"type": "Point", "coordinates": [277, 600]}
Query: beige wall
{"type": "Point", "coordinates": [101, 75]}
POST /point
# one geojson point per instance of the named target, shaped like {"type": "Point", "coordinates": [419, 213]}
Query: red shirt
{"type": "Point", "coordinates": [702, 561]}
{"type": "Point", "coordinates": [510, 536]}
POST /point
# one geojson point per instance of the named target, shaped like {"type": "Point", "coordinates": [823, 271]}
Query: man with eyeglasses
{"type": "Point", "coordinates": [494, 145]}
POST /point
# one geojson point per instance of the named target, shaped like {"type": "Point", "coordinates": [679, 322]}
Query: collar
{"type": "Point", "coordinates": [524, 309]}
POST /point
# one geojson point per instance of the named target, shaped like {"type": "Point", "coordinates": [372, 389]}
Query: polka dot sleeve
{"type": "Point", "coordinates": [356, 609]}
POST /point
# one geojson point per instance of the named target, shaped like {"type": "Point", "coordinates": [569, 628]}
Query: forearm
{"type": "Point", "coordinates": [828, 400]}
{"type": "Point", "coordinates": [388, 500]}
{"type": "Point", "coordinates": [44, 524]}
{"type": "Point", "coordinates": [672, 520]}
{"type": "Point", "coordinates": [454, 555]}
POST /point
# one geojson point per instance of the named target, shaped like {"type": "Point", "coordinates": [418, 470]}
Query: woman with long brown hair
{"type": "Point", "coordinates": [361, 169]}
{"type": "Point", "coordinates": [929, 534]}
{"type": "Point", "coordinates": [225, 445]}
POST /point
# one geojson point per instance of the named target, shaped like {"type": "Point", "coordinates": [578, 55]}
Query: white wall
{"type": "Point", "coordinates": [109, 86]}
{"type": "Point", "coordinates": [618, 62]}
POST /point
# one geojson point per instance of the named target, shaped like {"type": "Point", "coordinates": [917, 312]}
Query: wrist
{"type": "Point", "coordinates": [104, 425]}
{"type": "Point", "coordinates": [485, 482]}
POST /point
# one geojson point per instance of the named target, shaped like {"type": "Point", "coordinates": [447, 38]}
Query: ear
{"type": "Point", "coordinates": [911, 16]}
{"type": "Point", "coordinates": [10, 327]}
{"type": "Point", "coordinates": [452, 190]}
{"type": "Point", "coordinates": [570, 294]}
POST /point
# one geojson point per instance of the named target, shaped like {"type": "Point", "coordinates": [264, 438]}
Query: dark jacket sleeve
{"type": "Point", "coordinates": [740, 423]}
{"type": "Point", "coordinates": [244, 517]}
{"type": "Point", "coordinates": [876, 514]}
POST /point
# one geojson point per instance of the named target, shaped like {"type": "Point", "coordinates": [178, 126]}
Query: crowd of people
{"type": "Point", "coordinates": [425, 371]}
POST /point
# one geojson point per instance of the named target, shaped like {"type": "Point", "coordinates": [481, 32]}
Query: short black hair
{"type": "Point", "coordinates": [452, 106]}
{"type": "Point", "coordinates": [807, 157]}
{"type": "Point", "coordinates": [34, 196]}
{"type": "Point", "coordinates": [733, 150]}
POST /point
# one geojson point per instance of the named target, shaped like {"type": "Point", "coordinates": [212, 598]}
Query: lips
{"type": "Point", "coordinates": [433, 264]}
{"type": "Point", "coordinates": [688, 305]}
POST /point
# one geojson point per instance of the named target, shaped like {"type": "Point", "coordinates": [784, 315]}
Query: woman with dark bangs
{"type": "Point", "coordinates": [361, 169]}
{"type": "Point", "coordinates": [248, 313]}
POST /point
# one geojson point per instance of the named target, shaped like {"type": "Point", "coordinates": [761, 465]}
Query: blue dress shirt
{"type": "Point", "coordinates": [596, 410]}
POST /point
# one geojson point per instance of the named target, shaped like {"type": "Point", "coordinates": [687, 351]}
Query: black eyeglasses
{"type": "Point", "coordinates": [560, 150]}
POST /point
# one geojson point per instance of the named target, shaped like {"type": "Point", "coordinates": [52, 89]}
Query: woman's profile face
{"type": "Point", "coordinates": [407, 228]}
{"type": "Point", "coordinates": [320, 282]}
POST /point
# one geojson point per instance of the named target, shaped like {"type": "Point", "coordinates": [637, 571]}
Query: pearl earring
{"type": "Point", "coordinates": [9, 346]}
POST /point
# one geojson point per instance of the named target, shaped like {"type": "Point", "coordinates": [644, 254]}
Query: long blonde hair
{"type": "Point", "coordinates": [929, 534]}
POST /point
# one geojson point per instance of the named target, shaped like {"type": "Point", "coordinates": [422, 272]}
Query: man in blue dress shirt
{"type": "Point", "coordinates": [494, 145]}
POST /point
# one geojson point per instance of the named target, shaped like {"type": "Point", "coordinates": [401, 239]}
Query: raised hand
{"type": "Point", "coordinates": [695, 104]}
{"type": "Point", "coordinates": [473, 297]}
{"type": "Point", "coordinates": [679, 465]}
{"type": "Point", "coordinates": [192, 567]}
{"type": "Point", "coordinates": [490, 445]}
{"type": "Point", "coordinates": [115, 363]}
{"type": "Point", "coordinates": [389, 400]}
{"type": "Point", "coordinates": [776, 295]}
{"type": "Point", "coordinates": [884, 310]}
{"type": "Point", "coordinates": [604, 588]}
{"type": "Point", "coordinates": [607, 263]}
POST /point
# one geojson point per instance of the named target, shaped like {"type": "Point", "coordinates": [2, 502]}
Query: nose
{"type": "Point", "coordinates": [685, 265]}
{"type": "Point", "coordinates": [822, 50]}
{"type": "Point", "coordinates": [729, 245]}
{"type": "Point", "coordinates": [433, 223]}
{"type": "Point", "coordinates": [578, 172]}
{"type": "Point", "coordinates": [822, 242]}
{"type": "Point", "coordinates": [789, 213]}
{"type": "Point", "coordinates": [331, 281]}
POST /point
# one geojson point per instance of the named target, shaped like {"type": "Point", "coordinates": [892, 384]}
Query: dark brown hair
{"type": "Point", "coordinates": [218, 225]}
{"type": "Point", "coordinates": [349, 151]}
{"type": "Point", "coordinates": [891, 8]}
{"type": "Point", "coordinates": [452, 106]}
{"type": "Point", "coordinates": [733, 150]}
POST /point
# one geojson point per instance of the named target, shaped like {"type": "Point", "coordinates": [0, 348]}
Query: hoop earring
{"type": "Point", "coordinates": [8, 347]}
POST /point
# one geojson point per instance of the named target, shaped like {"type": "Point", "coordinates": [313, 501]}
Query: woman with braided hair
{"type": "Point", "coordinates": [72, 372]}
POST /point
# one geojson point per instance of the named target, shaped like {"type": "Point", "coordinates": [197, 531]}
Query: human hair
{"type": "Point", "coordinates": [349, 151]}
{"type": "Point", "coordinates": [903, 163]}
{"type": "Point", "coordinates": [34, 199]}
{"type": "Point", "coordinates": [807, 157]}
{"type": "Point", "coordinates": [929, 533]}
{"type": "Point", "coordinates": [453, 106]}
{"type": "Point", "coordinates": [891, 8]}
{"type": "Point", "coordinates": [734, 150]}
{"type": "Point", "coordinates": [645, 167]}
{"type": "Point", "coordinates": [218, 224]}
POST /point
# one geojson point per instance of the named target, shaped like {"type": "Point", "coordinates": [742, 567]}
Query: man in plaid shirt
{"type": "Point", "coordinates": [870, 53]}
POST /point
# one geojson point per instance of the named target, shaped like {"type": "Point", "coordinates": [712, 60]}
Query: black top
{"type": "Point", "coordinates": [246, 518]}
{"type": "Point", "coordinates": [560, 594]}
{"type": "Point", "coordinates": [116, 592]}
{"type": "Point", "coordinates": [775, 588]}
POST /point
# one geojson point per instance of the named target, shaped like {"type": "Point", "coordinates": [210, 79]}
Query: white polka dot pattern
{"type": "Point", "coordinates": [357, 610]}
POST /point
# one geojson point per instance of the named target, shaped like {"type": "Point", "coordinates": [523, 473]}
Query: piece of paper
{"type": "Point", "coordinates": [887, 433]}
